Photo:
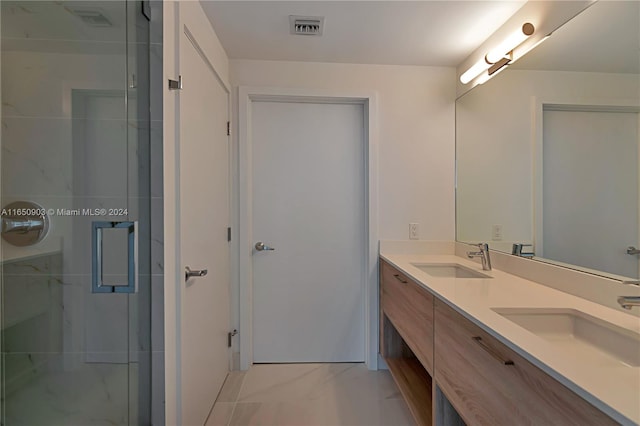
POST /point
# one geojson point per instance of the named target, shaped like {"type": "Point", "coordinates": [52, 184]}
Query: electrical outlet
{"type": "Point", "coordinates": [414, 231]}
{"type": "Point", "coordinates": [496, 232]}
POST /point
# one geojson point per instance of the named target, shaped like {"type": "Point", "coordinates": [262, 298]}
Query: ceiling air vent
{"type": "Point", "coordinates": [306, 25]}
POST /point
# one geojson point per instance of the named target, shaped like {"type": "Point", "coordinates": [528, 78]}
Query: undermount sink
{"type": "Point", "coordinates": [578, 334]}
{"type": "Point", "coordinates": [449, 270]}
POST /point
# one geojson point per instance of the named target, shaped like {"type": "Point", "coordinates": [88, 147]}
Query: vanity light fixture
{"type": "Point", "coordinates": [475, 70]}
{"type": "Point", "coordinates": [510, 43]}
{"type": "Point", "coordinates": [498, 57]}
{"type": "Point", "coordinates": [499, 66]}
{"type": "Point", "coordinates": [494, 69]}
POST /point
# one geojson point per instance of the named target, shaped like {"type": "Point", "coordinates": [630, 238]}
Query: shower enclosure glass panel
{"type": "Point", "coordinates": [75, 141]}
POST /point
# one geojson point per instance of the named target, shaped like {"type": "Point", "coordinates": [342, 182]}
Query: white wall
{"type": "Point", "coordinates": [496, 138]}
{"type": "Point", "coordinates": [416, 133]}
{"type": "Point", "coordinates": [415, 138]}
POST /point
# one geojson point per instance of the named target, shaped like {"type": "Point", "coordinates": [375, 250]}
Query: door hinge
{"type": "Point", "coordinates": [230, 336]}
{"type": "Point", "coordinates": [175, 84]}
{"type": "Point", "coordinates": [228, 234]}
{"type": "Point", "coordinates": [228, 128]}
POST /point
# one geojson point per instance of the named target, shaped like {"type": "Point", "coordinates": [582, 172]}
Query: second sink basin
{"type": "Point", "coordinates": [579, 334]}
{"type": "Point", "coordinates": [449, 270]}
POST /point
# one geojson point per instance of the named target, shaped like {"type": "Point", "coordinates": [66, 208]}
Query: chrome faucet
{"type": "Point", "coordinates": [483, 254]}
{"type": "Point", "coordinates": [628, 302]}
{"type": "Point", "coordinates": [516, 249]}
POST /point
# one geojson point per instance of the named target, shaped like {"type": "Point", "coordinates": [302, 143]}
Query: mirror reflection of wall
{"type": "Point", "coordinates": [547, 151]}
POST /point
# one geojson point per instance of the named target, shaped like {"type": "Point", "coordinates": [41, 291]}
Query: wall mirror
{"type": "Point", "coordinates": [547, 151]}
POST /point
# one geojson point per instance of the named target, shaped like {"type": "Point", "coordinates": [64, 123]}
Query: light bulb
{"type": "Point", "coordinates": [474, 71]}
{"type": "Point", "coordinates": [510, 43]}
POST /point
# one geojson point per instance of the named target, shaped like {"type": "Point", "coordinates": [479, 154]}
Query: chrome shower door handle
{"type": "Point", "coordinates": [260, 246]}
{"type": "Point", "coordinates": [114, 257]}
{"type": "Point", "coordinates": [194, 273]}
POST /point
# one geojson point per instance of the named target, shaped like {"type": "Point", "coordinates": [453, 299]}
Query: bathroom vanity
{"type": "Point", "coordinates": [547, 342]}
{"type": "Point", "coordinates": [486, 347]}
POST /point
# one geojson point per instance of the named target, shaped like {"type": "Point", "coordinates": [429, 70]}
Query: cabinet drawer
{"type": "Point", "coordinates": [410, 309]}
{"type": "Point", "coordinates": [489, 384]}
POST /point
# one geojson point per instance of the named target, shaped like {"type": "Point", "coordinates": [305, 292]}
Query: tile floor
{"type": "Point", "coordinates": [309, 394]}
{"type": "Point", "coordinates": [91, 394]}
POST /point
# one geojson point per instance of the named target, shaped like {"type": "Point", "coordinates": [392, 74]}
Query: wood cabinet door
{"type": "Point", "coordinates": [489, 384]}
{"type": "Point", "coordinates": [410, 308]}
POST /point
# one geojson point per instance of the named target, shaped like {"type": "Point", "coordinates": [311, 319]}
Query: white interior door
{"type": "Point", "coordinates": [204, 218]}
{"type": "Point", "coordinates": [308, 203]}
{"type": "Point", "coordinates": [590, 189]}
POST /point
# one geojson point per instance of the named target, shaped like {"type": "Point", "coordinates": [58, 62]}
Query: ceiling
{"type": "Point", "coordinates": [432, 33]}
{"type": "Point", "coordinates": [603, 38]}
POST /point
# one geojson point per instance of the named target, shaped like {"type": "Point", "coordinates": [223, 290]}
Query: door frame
{"type": "Point", "coordinates": [539, 106]}
{"type": "Point", "coordinates": [246, 97]}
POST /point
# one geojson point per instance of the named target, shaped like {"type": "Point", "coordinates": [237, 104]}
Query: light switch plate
{"type": "Point", "coordinates": [496, 232]}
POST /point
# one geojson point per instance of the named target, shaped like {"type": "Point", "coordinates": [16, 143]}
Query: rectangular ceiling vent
{"type": "Point", "coordinates": [306, 25]}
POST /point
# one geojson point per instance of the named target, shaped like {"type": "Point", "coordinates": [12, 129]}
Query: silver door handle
{"type": "Point", "coordinates": [632, 250]}
{"type": "Point", "coordinates": [194, 273]}
{"type": "Point", "coordinates": [260, 246]}
{"type": "Point", "coordinates": [98, 285]}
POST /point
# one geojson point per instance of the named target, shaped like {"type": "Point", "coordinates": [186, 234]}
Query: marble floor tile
{"type": "Point", "coordinates": [296, 413]}
{"type": "Point", "coordinates": [221, 414]}
{"type": "Point", "coordinates": [388, 412]}
{"type": "Point", "coordinates": [91, 395]}
{"type": "Point", "coordinates": [325, 412]}
{"type": "Point", "coordinates": [231, 388]}
{"type": "Point", "coordinates": [282, 382]}
{"type": "Point", "coordinates": [288, 382]}
{"type": "Point", "coordinates": [313, 395]}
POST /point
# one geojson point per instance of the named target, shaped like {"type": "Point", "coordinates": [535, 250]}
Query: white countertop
{"type": "Point", "coordinates": [613, 388]}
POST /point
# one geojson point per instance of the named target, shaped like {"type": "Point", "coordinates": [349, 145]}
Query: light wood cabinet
{"type": "Point", "coordinates": [432, 350]}
{"type": "Point", "coordinates": [406, 339]}
{"type": "Point", "coordinates": [410, 308]}
{"type": "Point", "coordinates": [490, 384]}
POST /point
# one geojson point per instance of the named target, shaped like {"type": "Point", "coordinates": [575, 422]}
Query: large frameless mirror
{"type": "Point", "coordinates": [547, 151]}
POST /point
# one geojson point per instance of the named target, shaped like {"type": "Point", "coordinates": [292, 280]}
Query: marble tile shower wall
{"type": "Point", "coordinates": [32, 323]}
{"type": "Point", "coordinates": [37, 155]}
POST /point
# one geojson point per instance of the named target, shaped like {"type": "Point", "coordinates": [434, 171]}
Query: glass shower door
{"type": "Point", "coordinates": [74, 253]}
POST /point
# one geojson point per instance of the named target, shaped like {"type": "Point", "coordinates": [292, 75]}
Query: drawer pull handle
{"type": "Point", "coordinates": [491, 351]}
{"type": "Point", "coordinates": [403, 281]}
